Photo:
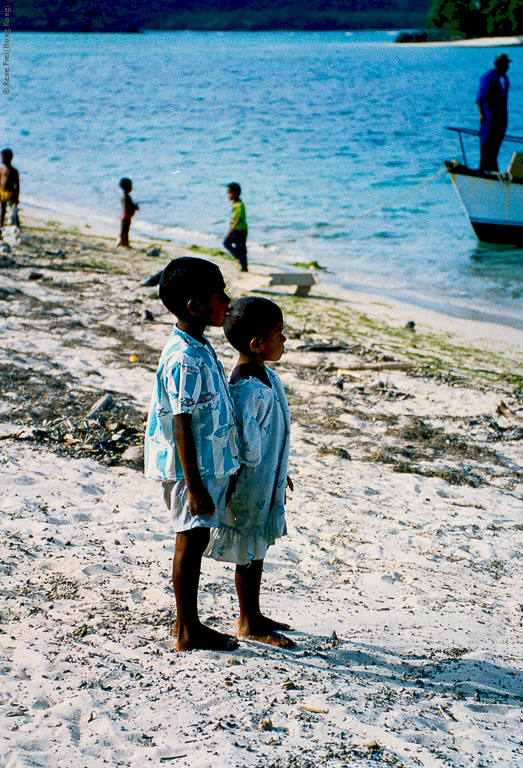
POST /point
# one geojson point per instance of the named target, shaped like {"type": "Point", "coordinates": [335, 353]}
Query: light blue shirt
{"type": "Point", "coordinates": [255, 516]}
{"type": "Point", "coordinates": [190, 379]}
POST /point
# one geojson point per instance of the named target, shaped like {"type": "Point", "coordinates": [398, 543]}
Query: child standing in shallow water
{"type": "Point", "coordinates": [129, 208]}
{"type": "Point", "coordinates": [9, 186]}
{"type": "Point", "coordinates": [255, 515]}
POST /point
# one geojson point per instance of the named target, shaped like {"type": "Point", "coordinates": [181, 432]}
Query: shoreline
{"type": "Point", "coordinates": [471, 42]}
{"type": "Point", "coordinates": [481, 326]}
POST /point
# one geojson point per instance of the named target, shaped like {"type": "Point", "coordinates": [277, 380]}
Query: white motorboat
{"type": "Point", "coordinates": [493, 201]}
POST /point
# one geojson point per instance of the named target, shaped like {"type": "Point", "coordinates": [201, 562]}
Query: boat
{"type": "Point", "coordinates": [493, 201]}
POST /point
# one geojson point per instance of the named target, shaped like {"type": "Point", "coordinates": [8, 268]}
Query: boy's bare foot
{"type": "Point", "coordinates": [262, 625]}
{"type": "Point", "coordinates": [262, 630]}
{"type": "Point", "coordinates": [204, 639]}
{"type": "Point", "coordinates": [272, 624]}
{"type": "Point", "coordinates": [271, 638]}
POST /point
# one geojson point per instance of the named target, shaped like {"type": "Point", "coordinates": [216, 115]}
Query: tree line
{"type": "Point", "coordinates": [477, 18]}
{"type": "Point", "coordinates": [454, 18]}
{"type": "Point", "coordinates": [249, 15]}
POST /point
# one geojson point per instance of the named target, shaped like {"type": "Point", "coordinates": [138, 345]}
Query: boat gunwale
{"type": "Point", "coordinates": [453, 167]}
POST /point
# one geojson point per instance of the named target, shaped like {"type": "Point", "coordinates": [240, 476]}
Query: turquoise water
{"type": "Point", "coordinates": [316, 127]}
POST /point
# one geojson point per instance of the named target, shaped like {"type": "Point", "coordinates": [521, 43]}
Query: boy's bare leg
{"type": "Point", "coordinates": [252, 624]}
{"type": "Point", "coordinates": [125, 226]}
{"type": "Point", "coordinates": [190, 633]}
{"type": "Point", "coordinates": [3, 209]}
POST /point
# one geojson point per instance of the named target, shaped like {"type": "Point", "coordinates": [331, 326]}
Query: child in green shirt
{"type": "Point", "coordinates": [236, 238]}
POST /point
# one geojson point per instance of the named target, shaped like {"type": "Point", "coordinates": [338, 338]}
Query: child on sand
{"type": "Point", "coordinates": [9, 186]}
{"type": "Point", "coordinates": [255, 515]}
{"type": "Point", "coordinates": [191, 436]}
{"type": "Point", "coordinates": [128, 210]}
{"type": "Point", "coordinates": [236, 238]}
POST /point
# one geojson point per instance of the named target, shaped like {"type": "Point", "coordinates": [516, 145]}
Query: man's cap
{"type": "Point", "coordinates": [501, 57]}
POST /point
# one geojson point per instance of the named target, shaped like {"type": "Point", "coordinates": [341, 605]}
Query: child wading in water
{"type": "Point", "coordinates": [255, 515]}
{"type": "Point", "coordinates": [191, 437]}
{"type": "Point", "coordinates": [9, 187]}
{"type": "Point", "coordinates": [128, 210]}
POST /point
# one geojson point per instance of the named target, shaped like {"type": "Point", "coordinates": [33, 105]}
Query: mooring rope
{"type": "Point", "coordinates": [361, 215]}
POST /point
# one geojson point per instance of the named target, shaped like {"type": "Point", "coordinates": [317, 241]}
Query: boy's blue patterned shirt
{"type": "Point", "coordinates": [190, 379]}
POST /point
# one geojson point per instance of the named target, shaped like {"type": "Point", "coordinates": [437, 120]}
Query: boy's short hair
{"type": "Point", "coordinates": [235, 188]}
{"type": "Point", "coordinates": [249, 318]}
{"type": "Point", "coordinates": [188, 278]}
{"type": "Point", "coordinates": [7, 154]}
{"type": "Point", "coordinates": [126, 184]}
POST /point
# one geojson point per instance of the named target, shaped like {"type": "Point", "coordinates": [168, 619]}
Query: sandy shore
{"type": "Point", "coordinates": [400, 573]}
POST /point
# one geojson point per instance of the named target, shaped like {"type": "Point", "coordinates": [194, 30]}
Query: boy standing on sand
{"type": "Point", "coordinates": [9, 184]}
{"type": "Point", "coordinates": [128, 210]}
{"type": "Point", "coordinates": [236, 238]}
{"type": "Point", "coordinates": [191, 436]}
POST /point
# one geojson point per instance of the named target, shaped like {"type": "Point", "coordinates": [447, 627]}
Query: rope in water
{"type": "Point", "coordinates": [310, 234]}
{"type": "Point", "coordinates": [361, 215]}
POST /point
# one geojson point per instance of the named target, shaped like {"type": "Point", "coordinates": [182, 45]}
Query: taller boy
{"type": "Point", "coordinates": [236, 239]}
{"type": "Point", "coordinates": [191, 437]}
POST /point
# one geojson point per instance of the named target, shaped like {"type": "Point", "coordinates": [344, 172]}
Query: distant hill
{"type": "Point", "coordinates": [122, 16]}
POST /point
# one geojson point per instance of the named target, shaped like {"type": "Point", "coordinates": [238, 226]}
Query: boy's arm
{"type": "Point", "coordinates": [233, 226]}
{"type": "Point", "coordinates": [198, 498]}
{"type": "Point", "coordinates": [16, 187]}
{"type": "Point", "coordinates": [235, 221]}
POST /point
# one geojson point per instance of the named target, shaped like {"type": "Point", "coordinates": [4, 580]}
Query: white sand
{"type": "Point", "coordinates": [478, 42]}
{"type": "Point", "coordinates": [419, 579]}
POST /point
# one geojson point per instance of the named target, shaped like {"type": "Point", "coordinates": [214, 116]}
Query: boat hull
{"type": "Point", "coordinates": [493, 204]}
{"type": "Point", "coordinates": [501, 234]}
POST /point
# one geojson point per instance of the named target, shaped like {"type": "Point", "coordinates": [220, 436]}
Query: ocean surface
{"type": "Point", "coordinates": [317, 128]}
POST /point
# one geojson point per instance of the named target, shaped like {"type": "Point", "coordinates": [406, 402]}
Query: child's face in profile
{"type": "Point", "coordinates": [231, 195]}
{"type": "Point", "coordinates": [218, 308]}
{"type": "Point", "coordinates": [273, 346]}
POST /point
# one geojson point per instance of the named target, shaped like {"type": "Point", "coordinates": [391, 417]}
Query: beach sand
{"type": "Point", "coordinates": [401, 571]}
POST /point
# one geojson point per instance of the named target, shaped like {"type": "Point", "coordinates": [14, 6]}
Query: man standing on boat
{"type": "Point", "coordinates": [493, 116]}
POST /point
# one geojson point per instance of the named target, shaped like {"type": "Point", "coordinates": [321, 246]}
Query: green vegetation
{"type": "Point", "coordinates": [307, 265]}
{"type": "Point", "coordinates": [476, 18]}
{"type": "Point", "coordinates": [209, 251]}
{"type": "Point", "coordinates": [434, 355]}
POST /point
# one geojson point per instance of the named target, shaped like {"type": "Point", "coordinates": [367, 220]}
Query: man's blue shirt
{"type": "Point", "coordinates": [492, 95]}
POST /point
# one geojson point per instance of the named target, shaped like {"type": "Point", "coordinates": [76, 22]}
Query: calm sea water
{"type": "Point", "coordinates": [316, 127]}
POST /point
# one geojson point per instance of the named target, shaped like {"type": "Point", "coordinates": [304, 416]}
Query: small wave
{"type": "Point", "coordinates": [383, 235]}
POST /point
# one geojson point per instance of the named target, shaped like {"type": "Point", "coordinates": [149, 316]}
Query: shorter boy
{"type": "Point", "coordinates": [191, 436]}
{"type": "Point", "coordinates": [128, 210]}
{"type": "Point", "coordinates": [236, 239]}
{"type": "Point", "coordinates": [9, 186]}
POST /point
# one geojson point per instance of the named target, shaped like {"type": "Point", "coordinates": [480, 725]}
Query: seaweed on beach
{"type": "Point", "coordinates": [54, 412]}
{"type": "Point", "coordinates": [345, 418]}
